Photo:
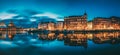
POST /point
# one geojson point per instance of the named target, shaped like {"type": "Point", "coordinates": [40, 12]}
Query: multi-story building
{"type": "Point", "coordinates": [42, 26]}
{"type": "Point", "coordinates": [51, 26]}
{"type": "Point", "coordinates": [100, 23]}
{"type": "Point", "coordinates": [89, 25]}
{"type": "Point", "coordinates": [59, 25]}
{"type": "Point", "coordinates": [75, 22]}
{"type": "Point", "coordinates": [46, 26]}
{"type": "Point", "coordinates": [115, 22]}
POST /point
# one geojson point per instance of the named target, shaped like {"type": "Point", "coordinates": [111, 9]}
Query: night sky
{"type": "Point", "coordinates": [57, 9]}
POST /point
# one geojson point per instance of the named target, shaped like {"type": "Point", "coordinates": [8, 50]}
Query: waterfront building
{"type": "Point", "coordinates": [75, 22]}
{"type": "Point", "coordinates": [46, 26]}
{"type": "Point", "coordinates": [89, 25]}
{"type": "Point", "coordinates": [101, 23]}
{"type": "Point", "coordinates": [59, 25]}
{"type": "Point", "coordinates": [115, 22]}
{"type": "Point", "coordinates": [51, 26]}
{"type": "Point", "coordinates": [42, 25]}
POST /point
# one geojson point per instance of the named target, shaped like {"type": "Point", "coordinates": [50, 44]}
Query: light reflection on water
{"type": "Point", "coordinates": [52, 44]}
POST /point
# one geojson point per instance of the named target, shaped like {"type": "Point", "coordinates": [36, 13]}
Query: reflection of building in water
{"type": "Point", "coordinates": [46, 26]}
{"type": "Point", "coordinates": [60, 36]}
{"type": "Point", "coordinates": [76, 40]}
{"type": "Point", "coordinates": [11, 34]}
{"type": "Point", "coordinates": [75, 22]}
{"type": "Point", "coordinates": [89, 35]}
{"type": "Point", "coordinates": [50, 36]}
{"type": "Point", "coordinates": [2, 35]}
{"type": "Point", "coordinates": [103, 37]}
{"type": "Point", "coordinates": [8, 34]}
{"type": "Point", "coordinates": [106, 23]}
{"type": "Point", "coordinates": [59, 25]}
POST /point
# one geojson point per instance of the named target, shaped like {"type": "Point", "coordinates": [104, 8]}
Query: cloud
{"type": "Point", "coordinates": [46, 14]}
{"type": "Point", "coordinates": [24, 12]}
{"type": "Point", "coordinates": [33, 19]}
{"type": "Point", "coordinates": [50, 15]}
{"type": "Point", "coordinates": [7, 15]}
{"type": "Point", "coordinates": [31, 12]}
{"type": "Point", "coordinates": [33, 15]}
{"type": "Point", "coordinates": [28, 18]}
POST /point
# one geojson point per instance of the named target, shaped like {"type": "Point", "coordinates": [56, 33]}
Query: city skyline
{"type": "Point", "coordinates": [59, 27]}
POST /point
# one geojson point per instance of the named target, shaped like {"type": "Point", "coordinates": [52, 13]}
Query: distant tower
{"type": "Point", "coordinates": [85, 20]}
{"type": "Point", "coordinates": [85, 14]}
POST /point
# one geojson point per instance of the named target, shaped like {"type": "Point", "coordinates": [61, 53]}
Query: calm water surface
{"type": "Point", "coordinates": [101, 43]}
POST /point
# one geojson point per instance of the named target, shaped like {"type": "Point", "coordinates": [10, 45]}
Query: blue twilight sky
{"type": "Point", "coordinates": [56, 9]}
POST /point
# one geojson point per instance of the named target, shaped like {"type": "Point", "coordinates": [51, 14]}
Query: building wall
{"type": "Point", "coordinates": [115, 22]}
{"type": "Point", "coordinates": [89, 25]}
{"type": "Point", "coordinates": [75, 22]}
{"type": "Point", "coordinates": [59, 25]}
{"type": "Point", "coordinates": [101, 23]}
{"type": "Point", "coordinates": [46, 26]}
{"type": "Point", "coordinates": [51, 26]}
{"type": "Point", "coordinates": [106, 23]}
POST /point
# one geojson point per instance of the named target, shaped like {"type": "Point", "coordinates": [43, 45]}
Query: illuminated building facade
{"type": "Point", "coordinates": [59, 25]}
{"type": "Point", "coordinates": [100, 23]}
{"type": "Point", "coordinates": [51, 26]}
{"type": "Point", "coordinates": [89, 25]}
{"type": "Point", "coordinates": [46, 26]}
{"type": "Point", "coordinates": [42, 26]}
{"type": "Point", "coordinates": [115, 22]}
{"type": "Point", "coordinates": [75, 22]}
